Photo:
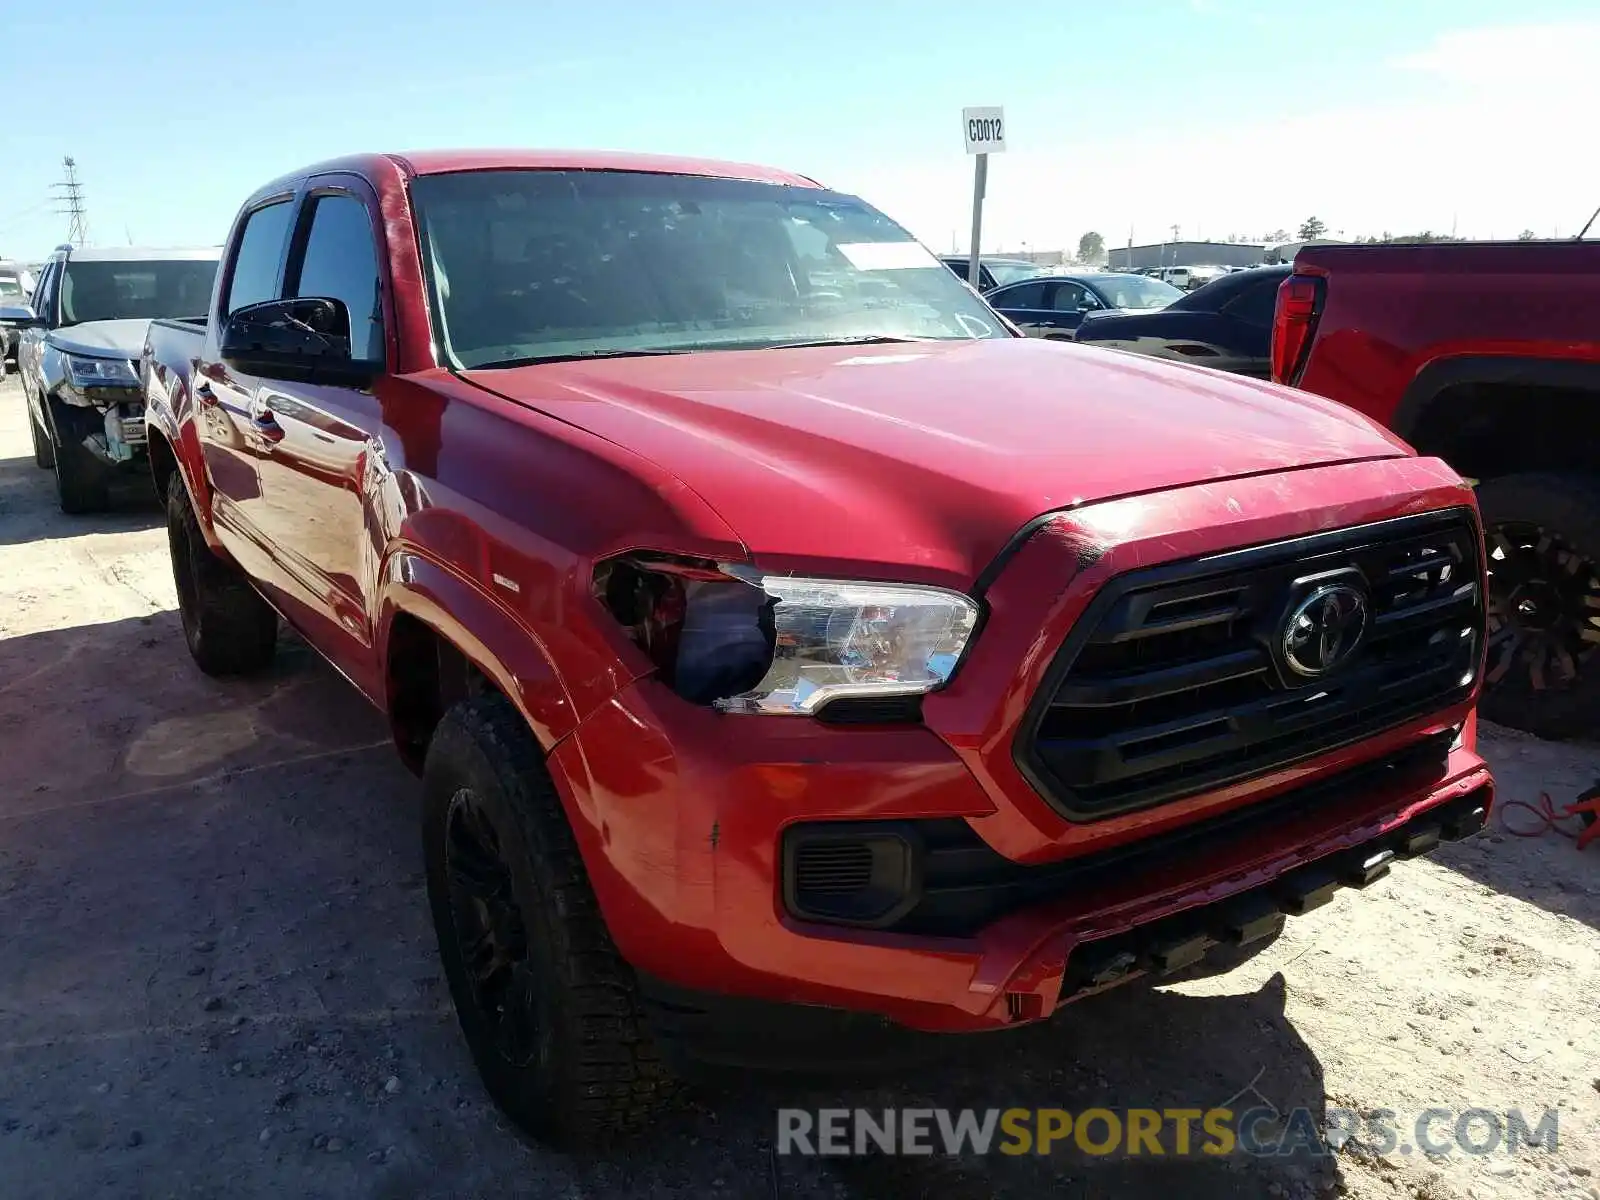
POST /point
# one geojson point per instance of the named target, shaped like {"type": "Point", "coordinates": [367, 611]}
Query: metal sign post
{"type": "Point", "coordinates": [985, 130]}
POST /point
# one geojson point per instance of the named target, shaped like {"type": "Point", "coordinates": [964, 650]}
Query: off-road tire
{"type": "Point", "coordinates": [44, 449]}
{"type": "Point", "coordinates": [81, 484]}
{"type": "Point", "coordinates": [594, 1072]}
{"type": "Point", "coordinates": [230, 629]}
{"type": "Point", "coordinates": [1569, 506]}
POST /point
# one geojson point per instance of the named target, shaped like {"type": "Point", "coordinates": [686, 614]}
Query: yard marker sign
{"type": "Point", "coordinates": [985, 130]}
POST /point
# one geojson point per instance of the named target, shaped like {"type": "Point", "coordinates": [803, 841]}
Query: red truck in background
{"type": "Point", "coordinates": [789, 650]}
{"type": "Point", "coordinates": [1488, 356]}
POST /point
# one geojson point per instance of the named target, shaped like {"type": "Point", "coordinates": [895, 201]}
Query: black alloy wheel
{"type": "Point", "coordinates": [491, 932]}
{"type": "Point", "coordinates": [1544, 601]}
{"type": "Point", "coordinates": [1542, 667]}
{"type": "Point", "coordinates": [549, 1008]}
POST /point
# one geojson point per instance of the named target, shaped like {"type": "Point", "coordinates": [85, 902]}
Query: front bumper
{"type": "Point", "coordinates": [682, 813]}
{"type": "Point", "coordinates": [107, 421]}
{"type": "Point", "coordinates": [682, 828]}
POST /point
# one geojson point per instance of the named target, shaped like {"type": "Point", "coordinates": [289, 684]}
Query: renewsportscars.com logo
{"type": "Point", "coordinates": [1166, 1132]}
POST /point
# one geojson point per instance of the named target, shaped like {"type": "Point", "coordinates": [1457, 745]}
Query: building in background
{"type": "Point", "coordinates": [1286, 252]}
{"type": "Point", "coordinates": [1184, 254]}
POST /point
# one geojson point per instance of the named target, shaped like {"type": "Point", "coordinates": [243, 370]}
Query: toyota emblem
{"type": "Point", "coordinates": [1324, 629]}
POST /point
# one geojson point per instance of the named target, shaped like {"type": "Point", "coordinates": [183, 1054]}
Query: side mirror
{"type": "Point", "coordinates": [19, 316]}
{"type": "Point", "coordinates": [305, 339]}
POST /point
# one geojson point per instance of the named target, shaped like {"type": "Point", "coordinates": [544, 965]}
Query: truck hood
{"type": "Point", "coordinates": [103, 339]}
{"type": "Point", "coordinates": [924, 459]}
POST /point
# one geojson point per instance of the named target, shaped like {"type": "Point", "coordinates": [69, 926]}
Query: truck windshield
{"type": "Point", "coordinates": [138, 288]}
{"type": "Point", "coordinates": [531, 265]}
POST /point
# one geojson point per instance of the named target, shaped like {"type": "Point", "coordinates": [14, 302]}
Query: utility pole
{"type": "Point", "coordinates": [70, 195]}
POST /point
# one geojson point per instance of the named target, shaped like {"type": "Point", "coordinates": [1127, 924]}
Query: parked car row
{"type": "Point", "coordinates": [16, 288]}
{"type": "Point", "coordinates": [1055, 306]}
{"type": "Point", "coordinates": [995, 271]}
{"type": "Point", "coordinates": [1226, 325]}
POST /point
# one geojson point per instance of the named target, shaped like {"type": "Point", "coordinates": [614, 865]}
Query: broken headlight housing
{"type": "Point", "coordinates": [85, 372]}
{"type": "Point", "coordinates": [744, 642]}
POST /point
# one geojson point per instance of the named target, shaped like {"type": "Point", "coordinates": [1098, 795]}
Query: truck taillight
{"type": "Point", "coordinates": [1299, 306]}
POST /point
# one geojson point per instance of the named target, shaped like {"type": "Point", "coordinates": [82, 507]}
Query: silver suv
{"type": "Point", "coordinates": [79, 357]}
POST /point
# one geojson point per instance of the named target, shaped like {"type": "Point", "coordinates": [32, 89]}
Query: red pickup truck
{"type": "Point", "coordinates": [792, 654]}
{"type": "Point", "coordinates": [1486, 355]}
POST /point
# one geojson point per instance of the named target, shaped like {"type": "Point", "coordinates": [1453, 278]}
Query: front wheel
{"type": "Point", "coordinates": [44, 450]}
{"type": "Point", "coordinates": [81, 484]}
{"type": "Point", "coordinates": [549, 1009]}
{"type": "Point", "coordinates": [1542, 535]}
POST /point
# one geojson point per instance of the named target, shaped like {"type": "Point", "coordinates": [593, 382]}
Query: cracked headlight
{"type": "Point", "coordinates": [99, 372]}
{"type": "Point", "coordinates": [744, 642]}
{"type": "Point", "coordinates": [836, 638]}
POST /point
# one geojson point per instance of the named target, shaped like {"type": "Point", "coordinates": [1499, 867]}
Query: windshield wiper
{"type": "Point", "coordinates": [577, 356]}
{"type": "Point", "coordinates": [870, 339]}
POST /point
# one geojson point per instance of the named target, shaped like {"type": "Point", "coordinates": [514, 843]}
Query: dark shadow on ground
{"type": "Point", "coordinates": [121, 708]}
{"type": "Point", "coordinates": [1140, 1048]}
{"type": "Point", "coordinates": [28, 509]}
{"type": "Point", "coordinates": [217, 976]}
{"type": "Point", "coordinates": [1547, 870]}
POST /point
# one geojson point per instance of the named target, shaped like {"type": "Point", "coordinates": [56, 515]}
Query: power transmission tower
{"type": "Point", "coordinates": [70, 195]}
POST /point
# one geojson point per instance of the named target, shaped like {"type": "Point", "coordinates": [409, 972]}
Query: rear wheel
{"type": "Point", "coordinates": [550, 1011]}
{"type": "Point", "coordinates": [230, 629]}
{"type": "Point", "coordinates": [1542, 533]}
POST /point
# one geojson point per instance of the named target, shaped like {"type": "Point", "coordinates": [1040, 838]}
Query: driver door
{"type": "Point", "coordinates": [323, 450]}
{"type": "Point", "coordinates": [225, 399]}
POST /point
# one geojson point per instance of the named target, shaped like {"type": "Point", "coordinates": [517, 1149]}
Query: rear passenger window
{"type": "Point", "coordinates": [260, 254]}
{"type": "Point", "coordinates": [1024, 295]}
{"type": "Point", "coordinates": [341, 263]}
{"type": "Point", "coordinates": [1256, 305]}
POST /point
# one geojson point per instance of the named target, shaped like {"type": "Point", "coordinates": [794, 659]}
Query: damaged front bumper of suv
{"type": "Point", "coordinates": [100, 406]}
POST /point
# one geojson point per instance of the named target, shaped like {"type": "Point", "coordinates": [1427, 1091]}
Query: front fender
{"type": "Point", "coordinates": [491, 637]}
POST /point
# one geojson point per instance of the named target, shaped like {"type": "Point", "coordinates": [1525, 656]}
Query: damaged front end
{"type": "Point", "coordinates": [735, 639]}
{"type": "Point", "coordinates": [99, 405]}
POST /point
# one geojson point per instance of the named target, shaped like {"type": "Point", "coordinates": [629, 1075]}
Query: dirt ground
{"type": "Point", "coordinates": [217, 975]}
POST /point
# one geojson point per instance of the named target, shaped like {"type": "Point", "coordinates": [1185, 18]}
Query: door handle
{"type": "Point", "coordinates": [266, 426]}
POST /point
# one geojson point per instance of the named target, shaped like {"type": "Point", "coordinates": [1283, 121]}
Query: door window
{"type": "Point", "coordinates": [1024, 295]}
{"type": "Point", "coordinates": [1072, 297]}
{"type": "Point", "coordinates": [341, 263]}
{"type": "Point", "coordinates": [260, 255]}
{"type": "Point", "coordinates": [44, 295]}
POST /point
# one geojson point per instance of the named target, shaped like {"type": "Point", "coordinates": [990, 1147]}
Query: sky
{"type": "Point", "coordinates": [1126, 117]}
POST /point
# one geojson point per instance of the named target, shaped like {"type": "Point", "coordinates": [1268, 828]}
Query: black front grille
{"type": "Point", "coordinates": [1175, 680]}
{"type": "Point", "coordinates": [822, 869]}
{"type": "Point", "coordinates": [848, 873]}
